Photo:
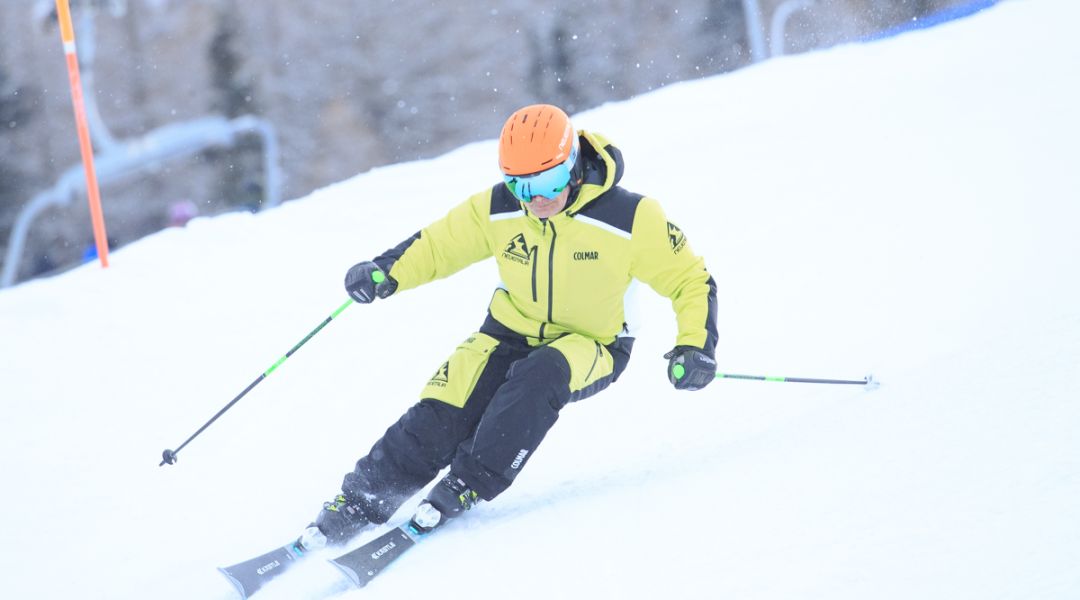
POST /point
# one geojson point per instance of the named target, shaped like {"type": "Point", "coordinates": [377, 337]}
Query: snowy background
{"type": "Point", "coordinates": [909, 208]}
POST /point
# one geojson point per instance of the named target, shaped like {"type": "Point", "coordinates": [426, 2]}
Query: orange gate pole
{"type": "Point", "coordinates": [67, 32]}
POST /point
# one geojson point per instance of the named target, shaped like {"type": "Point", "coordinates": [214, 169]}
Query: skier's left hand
{"type": "Point", "coordinates": [366, 281]}
{"type": "Point", "coordinates": [689, 368]}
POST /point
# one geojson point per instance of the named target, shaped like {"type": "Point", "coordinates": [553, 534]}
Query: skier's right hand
{"type": "Point", "coordinates": [366, 281]}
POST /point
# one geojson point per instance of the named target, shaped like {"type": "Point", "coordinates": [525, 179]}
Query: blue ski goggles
{"type": "Point", "coordinates": [549, 183]}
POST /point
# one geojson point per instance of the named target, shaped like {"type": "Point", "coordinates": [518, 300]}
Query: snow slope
{"type": "Point", "coordinates": [908, 208]}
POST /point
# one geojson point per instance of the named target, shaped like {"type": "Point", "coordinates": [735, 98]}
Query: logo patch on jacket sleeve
{"type": "Point", "coordinates": [676, 237]}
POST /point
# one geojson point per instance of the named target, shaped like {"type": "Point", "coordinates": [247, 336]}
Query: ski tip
{"type": "Point", "coordinates": [871, 383]}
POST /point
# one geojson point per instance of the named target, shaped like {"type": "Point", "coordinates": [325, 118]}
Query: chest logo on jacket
{"type": "Point", "coordinates": [676, 237]}
{"type": "Point", "coordinates": [517, 250]}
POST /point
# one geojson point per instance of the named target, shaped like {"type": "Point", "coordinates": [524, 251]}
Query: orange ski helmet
{"type": "Point", "coordinates": [535, 138]}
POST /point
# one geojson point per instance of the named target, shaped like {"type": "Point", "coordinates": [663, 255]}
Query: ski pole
{"type": "Point", "coordinates": [868, 381]}
{"type": "Point", "coordinates": [169, 456]}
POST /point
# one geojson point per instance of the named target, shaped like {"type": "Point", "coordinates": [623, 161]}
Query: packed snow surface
{"type": "Point", "coordinates": [908, 208]}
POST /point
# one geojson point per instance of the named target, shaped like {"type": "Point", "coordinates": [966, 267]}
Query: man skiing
{"type": "Point", "coordinates": [568, 242]}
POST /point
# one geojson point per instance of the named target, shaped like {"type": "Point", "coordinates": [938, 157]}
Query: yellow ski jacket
{"type": "Point", "coordinates": [568, 273]}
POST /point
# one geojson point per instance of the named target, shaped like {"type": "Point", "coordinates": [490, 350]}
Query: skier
{"type": "Point", "coordinates": [568, 242]}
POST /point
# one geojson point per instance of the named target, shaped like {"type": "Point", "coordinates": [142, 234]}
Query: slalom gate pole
{"type": "Point", "coordinates": [86, 149]}
{"type": "Point", "coordinates": [169, 456]}
{"type": "Point", "coordinates": [868, 381]}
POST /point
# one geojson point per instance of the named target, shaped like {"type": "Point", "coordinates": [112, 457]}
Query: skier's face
{"type": "Point", "coordinates": [544, 208]}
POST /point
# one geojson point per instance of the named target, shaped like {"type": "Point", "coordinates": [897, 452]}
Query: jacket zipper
{"type": "Point", "coordinates": [535, 259]}
{"type": "Point", "coordinates": [551, 276]}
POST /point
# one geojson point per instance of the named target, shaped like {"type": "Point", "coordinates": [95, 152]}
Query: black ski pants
{"type": "Point", "coordinates": [484, 413]}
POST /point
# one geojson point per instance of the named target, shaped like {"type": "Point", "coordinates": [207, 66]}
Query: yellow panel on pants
{"type": "Point", "coordinates": [453, 383]}
{"type": "Point", "coordinates": [589, 360]}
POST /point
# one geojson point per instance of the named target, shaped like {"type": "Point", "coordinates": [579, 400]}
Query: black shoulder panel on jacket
{"type": "Point", "coordinates": [502, 201]}
{"type": "Point", "coordinates": [615, 207]}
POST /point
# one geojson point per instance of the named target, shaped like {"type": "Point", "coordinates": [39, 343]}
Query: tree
{"type": "Point", "coordinates": [16, 110]}
{"type": "Point", "coordinates": [241, 166]}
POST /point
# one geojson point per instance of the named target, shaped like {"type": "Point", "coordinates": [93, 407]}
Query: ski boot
{"type": "Point", "coordinates": [340, 520]}
{"type": "Point", "coordinates": [448, 499]}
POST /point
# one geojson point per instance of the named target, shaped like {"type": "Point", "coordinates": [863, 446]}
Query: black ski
{"type": "Point", "coordinates": [253, 574]}
{"type": "Point", "coordinates": [364, 563]}
{"type": "Point", "coordinates": [360, 565]}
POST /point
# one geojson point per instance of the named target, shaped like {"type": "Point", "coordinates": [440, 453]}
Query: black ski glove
{"type": "Point", "coordinates": [366, 281]}
{"type": "Point", "coordinates": [689, 368]}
